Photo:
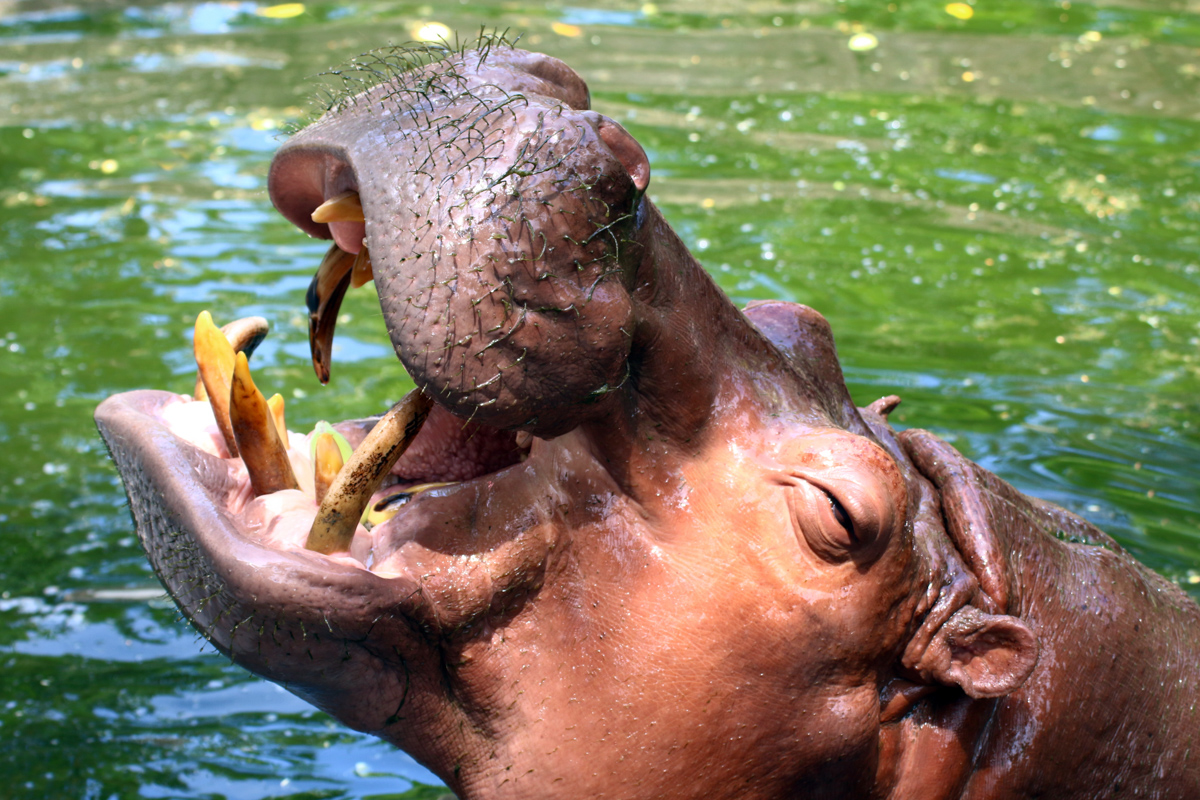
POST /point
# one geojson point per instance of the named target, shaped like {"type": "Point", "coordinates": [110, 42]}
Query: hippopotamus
{"type": "Point", "coordinates": [638, 542]}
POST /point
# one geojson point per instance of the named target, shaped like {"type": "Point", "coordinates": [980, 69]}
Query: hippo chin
{"type": "Point", "coordinates": [668, 557]}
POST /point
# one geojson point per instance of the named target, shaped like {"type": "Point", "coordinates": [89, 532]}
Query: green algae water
{"type": "Point", "coordinates": [997, 205]}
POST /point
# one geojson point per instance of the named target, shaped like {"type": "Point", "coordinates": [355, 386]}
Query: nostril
{"type": "Point", "coordinates": [304, 176]}
{"type": "Point", "coordinates": [573, 89]}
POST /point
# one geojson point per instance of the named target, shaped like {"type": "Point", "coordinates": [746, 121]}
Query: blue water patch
{"type": "Point", "coordinates": [1104, 133]}
{"type": "Point", "coordinates": [215, 17]}
{"type": "Point", "coordinates": [598, 16]}
{"type": "Point", "coordinates": [965, 175]}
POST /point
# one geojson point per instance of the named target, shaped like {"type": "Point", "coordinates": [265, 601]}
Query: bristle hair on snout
{"type": "Point", "coordinates": [390, 63]}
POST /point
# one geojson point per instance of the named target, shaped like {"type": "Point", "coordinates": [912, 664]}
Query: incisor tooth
{"type": "Point", "coordinates": [324, 299]}
{"type": "Point", "coordinates": [346, 207]}
{"type": "Point", "coordinates": [326, 465]}
{"type": "Point", "coordinates": [244, 335]}
{"type": "Point", "coordinates": [253, 424]}
{"type": "Point", "coordinates": [362, 274]}
{"type": "Point", "coordinates": [275, 403]}
{"type": "Point", "coordinates": [215, 360]}
{"type": "Point", "coordinates": [333, 528]}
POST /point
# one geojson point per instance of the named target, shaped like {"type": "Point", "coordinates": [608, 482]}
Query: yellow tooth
{"type": "Point", "coordinates": [346, 207]}
{"type": "Point", "coordinates": [275, 403]}
{"type": "Point", "coordinates": [362, 273]}
{"type": "Point", "coordinates": [333, 528]}
{"type": "Point", "coordinates": [387, 507]}
{"type": "Point", "coordinates": [215, 359]}
{"type": "Point", "coordinates": [245, 335]}
{"type": "Point", "coordinates": [324, 299]}
{"type": "Point", "coordinates": [326, 465]}
{"type": "Point", "coordinates": [253, 424]}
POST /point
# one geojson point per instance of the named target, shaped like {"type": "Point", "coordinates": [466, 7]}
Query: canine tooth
{"type": "Point", "coordinates": [346, 207]}
{"type": "Point", "coordinates": [275, 403]}
{"type": "Point", "coordinates": [324, 298]}
{"type": "Point", "coordinates": [326, 465]}
{"type": "Point", "coordinates": [258, 441]}
{"type": "Point", "coordinates": [215, 360]}
{"type": "Point", "coordinates": [333, 528]}
{"type": "Point", "coordinates": [245, 335]}
{"type": "Point", "coordinates": [362, 272]}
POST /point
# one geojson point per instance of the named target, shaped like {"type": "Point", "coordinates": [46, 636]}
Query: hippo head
{"type": "Point", "coordinates": [669, 556]}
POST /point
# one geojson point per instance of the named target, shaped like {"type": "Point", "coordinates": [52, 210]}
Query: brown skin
{"type": "Point", "coordinates": [662, 600]}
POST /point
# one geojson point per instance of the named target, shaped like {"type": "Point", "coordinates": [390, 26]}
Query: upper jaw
{"type": "Point", "coordinates": [495, 239]}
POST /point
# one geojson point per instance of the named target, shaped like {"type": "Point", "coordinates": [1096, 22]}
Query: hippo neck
{"type": "Point", "coordinates": [693, 350]}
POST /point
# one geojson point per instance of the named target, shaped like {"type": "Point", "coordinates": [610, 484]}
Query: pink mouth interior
{"type": "Point", "coordinates": [447, 449]}
{"type": "Point", "coordinates": [348, 235]}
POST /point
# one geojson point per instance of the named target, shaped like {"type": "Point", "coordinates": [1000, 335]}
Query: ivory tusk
{"type": "Point", "coordinates": [363, 273]}
{"type": "Point", "coordinates": [275, 403]}
{"type": "Point", "coordinates": [346, 207]}
{"type": "Point", "coordinates": [326, 465]}
{"type": "Point", "coordinates": [244, 335]}
{"type": "Point", "coordinates": [336, 520]}
{"type": "Point", "coordinates": [324, 299]}
{"type": "Point", "coordinates": [258, 441]}
{"type": "Point", "coordinates": [215, 360]}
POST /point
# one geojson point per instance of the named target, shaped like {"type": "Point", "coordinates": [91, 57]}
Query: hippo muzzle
{"type": "Point", "coordinates": [624, 540]}
{"type": "Point", "coordinates": [498, 213]}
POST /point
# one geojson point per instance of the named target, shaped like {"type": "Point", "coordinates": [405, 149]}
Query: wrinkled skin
{"type": "Point", "coordinates": [711, 576]}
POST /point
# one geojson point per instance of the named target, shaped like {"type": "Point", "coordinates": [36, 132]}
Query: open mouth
{"type": "Point", "coordinates": [499, 220]}
{"type": "Point", "coordinates": [340, 490]}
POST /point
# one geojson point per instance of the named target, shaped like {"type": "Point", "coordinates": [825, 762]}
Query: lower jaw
{"type": "Point", "coordinates": [423, 479]}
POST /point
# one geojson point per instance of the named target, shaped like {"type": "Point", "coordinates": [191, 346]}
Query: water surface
{"type": "Point", "coordinates": [997, 207]}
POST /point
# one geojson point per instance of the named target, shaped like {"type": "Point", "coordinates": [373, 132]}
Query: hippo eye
{"type": "Point", "coordinates": [841, 515]}
{"type": "Point", "coordinates": [831, 527]}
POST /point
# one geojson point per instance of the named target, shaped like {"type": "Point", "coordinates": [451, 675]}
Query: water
{"type": "Point", "coordinates": [1000, 215]}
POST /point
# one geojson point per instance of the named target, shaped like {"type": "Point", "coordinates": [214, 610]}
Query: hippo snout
{"type": "Point", "coordinates": [498, 214]}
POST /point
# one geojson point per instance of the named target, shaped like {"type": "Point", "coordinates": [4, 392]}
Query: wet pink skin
{"type": "Point", "coordinates": [714, 578]}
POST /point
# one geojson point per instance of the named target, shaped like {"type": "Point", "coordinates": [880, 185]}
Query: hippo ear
{"type": "Point", "coordinates": [969, 639]}
{"type": "Point", "coordinates": [987, 655]}
{"type": "Point", "coordinates": [626, 150]}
